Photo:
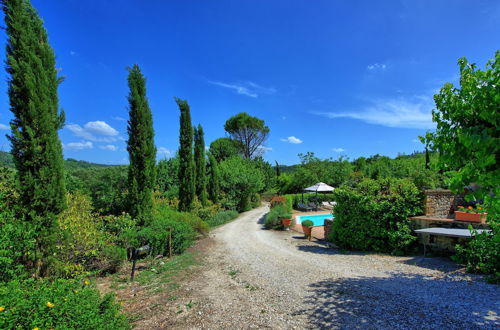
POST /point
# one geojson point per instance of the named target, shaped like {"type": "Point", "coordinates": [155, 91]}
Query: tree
{"type": "Point", "coordinates": [250, 131]}
{"type": "Point", "coordinates": [186, 166]}
{"type": "Point", "coordinates": [278, 173]}
{"type": "Point", "coordinates": [214, 179]}
{"type": "Point", "coordinates": [167, 176]}
{"type": "Point", "coordinates": [224, 148]}
{"type": "Point", "coordinates": [468, 141]}
{"type": "Point", "coordinates": [240, 180]}
{"type": "Point", "coordinates": [141, 149]}
{"type": "Point", "coordinates": [201, 167]}
{"type": "Point", "coordinates": [36, 148]}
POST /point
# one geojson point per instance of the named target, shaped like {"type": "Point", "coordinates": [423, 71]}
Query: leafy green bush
{"type": "Point", "coordinates": [273, 218]}
{"type": "Point", "coordinates": [83, 244]}
{"type": "Point", "coordinates": [481, 255]}
{"type": "Point", "coordinates": [156, 233]}
{"type": "Point", "coordinates": [375, 216]}
{"type": "Point", "coordinates": [62, 304]}
{"type": "Point", "coordinates": [222, 217]}
{"type": "Point", "coordinates": [307, 223]}
{"type": "Point", "coordinates": [17, 240]}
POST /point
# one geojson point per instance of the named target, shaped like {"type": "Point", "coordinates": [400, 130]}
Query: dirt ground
{"type": "Point", "coordinates": [243, 277]}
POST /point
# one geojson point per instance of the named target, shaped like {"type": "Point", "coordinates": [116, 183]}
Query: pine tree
{"type": "Point", "coordinates": [200, 162]}
{"type": "Point", "coordinates": [141, 149]}
{"type": "Point", "coordinates": [36, 148]}
{"type": "Point", "coordinates": [214, 179]}
{"type": "Point", "coordinates": [186, 166]}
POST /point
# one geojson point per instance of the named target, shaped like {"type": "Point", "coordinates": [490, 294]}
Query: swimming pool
{"type": "Point", "coordinates": [317, 219]}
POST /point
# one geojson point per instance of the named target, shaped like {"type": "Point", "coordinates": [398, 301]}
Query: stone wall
{"type": "Point", "coordinates": [440, 203]}
{"type": "Point", "coordinates": [328, 227]}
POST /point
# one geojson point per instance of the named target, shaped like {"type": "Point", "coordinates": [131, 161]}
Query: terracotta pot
{"type": "Point", "coordinates": [471, 217]}
{"type": "Point", "coordinates": [286, 222]}
{"type": "Point", "coordinates": [307, 231]}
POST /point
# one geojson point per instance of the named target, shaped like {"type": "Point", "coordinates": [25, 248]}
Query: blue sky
{"type": "Point", "coordinates": [351, 78]}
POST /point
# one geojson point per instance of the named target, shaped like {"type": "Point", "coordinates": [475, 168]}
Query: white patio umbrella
{"type": "Point", "coordinates": [319, 187]}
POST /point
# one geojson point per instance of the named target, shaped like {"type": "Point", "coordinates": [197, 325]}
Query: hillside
{"type": "Point", "coordinates": [7, 160]}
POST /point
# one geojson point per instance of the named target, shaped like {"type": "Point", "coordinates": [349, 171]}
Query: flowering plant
{"type": "Point", "coordinates": [470, 209]}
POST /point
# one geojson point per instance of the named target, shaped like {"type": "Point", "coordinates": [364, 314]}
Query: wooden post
{"type": "Point", "coordinates": [170, 243]}
{"type": "Point", "coordinates": [133, 265]}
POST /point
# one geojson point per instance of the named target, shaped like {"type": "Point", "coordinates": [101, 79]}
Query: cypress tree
{"type": "Point", "coordinates": [36, 148]}
{"type": "Point", "coordinates": [186, 166]}
{"type": "Point", "coordinates": [200, 162]}
{"type": "Point", "coordinates": [141, 149]}
{"type": "Point", "coordinates": [278, 172]}
{"type": "Point", "coordinates": [214, 179]}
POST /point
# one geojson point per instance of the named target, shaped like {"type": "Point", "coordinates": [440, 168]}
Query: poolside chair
{"type": "Point", "coordinates": [327, 205]}
{"type": "Point", "coordinates": [313, 205]}
{"type": "Point", "coordinates": [304, 207]}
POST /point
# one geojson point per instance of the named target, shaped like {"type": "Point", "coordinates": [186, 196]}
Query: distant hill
{"type": "Point", "coordinates": [7, 160]}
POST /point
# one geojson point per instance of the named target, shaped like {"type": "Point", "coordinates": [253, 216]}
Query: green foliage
{"type": "Point", "coordinates": [157, 232]}
{"type": "Point", "coordinates": [468, 141]}
{"type": "Point", "coordinates": [36, 148]}
{"type": "Point", "coordinates": [167, 177]}
{"type": "Point", "coordinates": [273, 218]}
{"type": "Point", "coordinates": [214, 179]}
{"type": "Point", "coordinates": [224, 148]}
{"type": "Point", "coordinates": [250, 132]}
{"type": "Point", "coordinates": [106, 186]}
{"type": "Point", "coordinates": [204, 212]}
{"type": "Point", "coordinates": [480, 255]}
{"type": "Point", "coordinates": [62, 304]}
{"type": "Point", "coordinates": [186, 162]}
{"type": "Point", "coordinates": [221, 218]}
{"type": "Point", "coordinates": [307, 198]}
{"type": "Point", "coordinates": [240, 179]}
{"type": "Point", "coordinates": [17, 241]}
{"type": "Point", "coordinates": [201, 164]}
{"type": "Point", "coordinates": [141, 149]}
{"type": "Point", "coordinates": [83, 245]}
{"type": "Point", "coordinates": [375, 216]}
{"type": "Point", "coordinates": [307, 223]}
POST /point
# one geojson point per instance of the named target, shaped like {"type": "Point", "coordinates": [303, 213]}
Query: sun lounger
{"type": "Point", "coordinates": [304, 207]}
{"type": "Point", "coordinates": [314, 206]}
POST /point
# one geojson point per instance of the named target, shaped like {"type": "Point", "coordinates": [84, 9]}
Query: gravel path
{"type": "Point", "coordinates": [255, 278]}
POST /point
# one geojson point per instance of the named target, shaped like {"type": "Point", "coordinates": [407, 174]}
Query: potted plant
{"type": "Point", "coordinates": [307, 228]}
{"type": "Point", "coordinates": [286, 220]}
{"type": "Point", "coordinates": [471, 214]}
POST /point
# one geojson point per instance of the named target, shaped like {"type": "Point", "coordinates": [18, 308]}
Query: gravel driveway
{"type": "Point", "coordinates": [256, 278]}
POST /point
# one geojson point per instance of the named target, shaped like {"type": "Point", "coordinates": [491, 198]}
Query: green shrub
{"type": "Point", "coordinates": [157, 232]}
{"type": "Point", "coordinates": [17, 241]}
{"type": "Point", "coordinates": [222, 217]}
{"type": "Point", "coordinates": [307, 223]}
{"type": "Point", "coordinates": [62, 304]}
{"type": "Point", "coordinates": [273, 218]}
{"type": "Point", "coordinates": [375, 216]}
{"type": "Point", "coordinates": [481, 255]}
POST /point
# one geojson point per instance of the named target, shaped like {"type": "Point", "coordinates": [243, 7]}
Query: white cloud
{"type": "Point", "coordinates": [265, 149]}
{"type": "Point", "coordinates": [119, 118]}
{"type": "Point", "coordinates": [246, 88]}
{"type": "Point", "coordinates": [338, 149]}
{"type": "Point", "coordinates": [292, 139]}
{"type": "Point", "coordinates": [377, 67]}
{"type": "Point", "coordinates": [100, 128]}
{"type": "Point", "coordinates": [402, 112]}
{"type": "Point", "coordinates": [73, 53]}
{"type": "Point", "coordinates": [94, 131]}
{"type": "Point", "coordinates": [162, 151]}
{"type": "Point", "coordinates": [4, 127]}
{"type": "Point", "coordinates": [78, 145]}
{"type": "Point", "coordinates": [109, 147]}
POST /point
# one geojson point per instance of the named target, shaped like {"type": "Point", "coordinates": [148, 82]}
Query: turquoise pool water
{"type": "Point", "coordinates": [318, 219]}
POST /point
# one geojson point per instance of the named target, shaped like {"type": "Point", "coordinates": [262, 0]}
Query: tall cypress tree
{"type": "Point", "coordinates": [37, 150]}
{"type": "Point", "coordinates": [186, 166]}
{"type": "Point", "coordinates": [141, 148]}
{"type": "Point", "coordinates": [200, 162]}
{"type": "Point", "coordinates": [214, 179]}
